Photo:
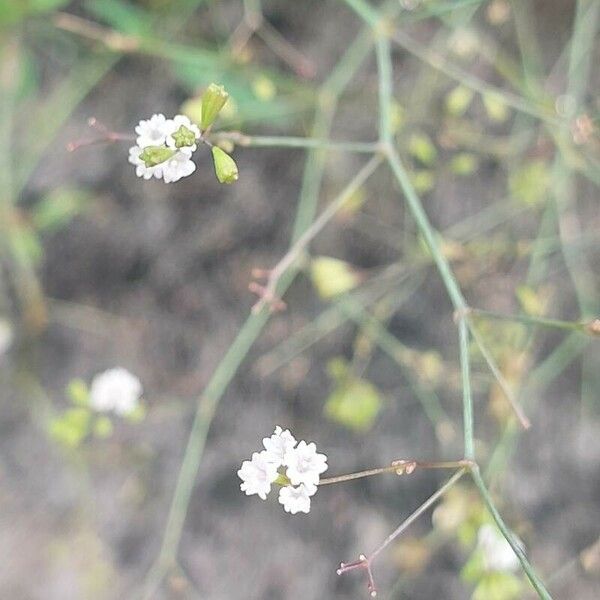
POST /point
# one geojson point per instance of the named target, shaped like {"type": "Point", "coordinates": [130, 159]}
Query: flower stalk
{"type": "Point", "coordinates": [400, 467]}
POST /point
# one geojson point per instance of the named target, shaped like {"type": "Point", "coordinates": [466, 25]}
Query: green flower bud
{"type": "Point", "coordinates": [213, 100]}
{"type": "Point", "coordinates": [183, 137]}
{"type": "Point", "coordinates": [225, 167]}
{"type": "Point", "coordinates": [155, 155]}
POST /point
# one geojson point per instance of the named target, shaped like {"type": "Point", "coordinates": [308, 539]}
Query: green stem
{"type": "Point", "coordinates": [384, 66]}
{"type": "Point", "coordinates": [529, 320]}
{"type": "Point", "coordinates": [257, 141]}
{"type": "Point", "coordinates": [506, 389]}
{"type": "Point", "coordinates": [535, 581]}
{"type": "Point", "coordinates": [463, 337]}
{"type": "Point", "coordinates": [365, 11]}
{"type": "Point", "coordinates": [426, 230]}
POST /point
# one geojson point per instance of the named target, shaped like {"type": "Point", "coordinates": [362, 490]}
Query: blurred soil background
{"type": "Point", "coordinates": [100, 269]}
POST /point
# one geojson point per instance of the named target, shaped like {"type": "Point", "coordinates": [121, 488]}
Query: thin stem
{"type": "Point", "coordinates": [365, 11]}
{"type": "Point", "coordinates": [441, 63]}
{"type": "Point", "coordinates": [399, 353]}
{"type": "Point", "coordinates": [398, 469]}
{"type": "Point", "coordinates": [463, 335]}
{"type": "Point", "coordinates": [417, 513]}
{"type": "Point", "coordinates": [529, 320]}
{"type": "Point", "coordinates": [384, 66]}
{"type": "Point", "coordinates": [303, 66]}
{"type": "Point", "coordinates": [535, 581]}
{"type": "Point", "coordinates": [268, 293]}
{"type": "Point", "coordinates": [257, 141]}
{"type": "Point", "coordinates": [365, 563]}
{"type": "Point", "coordinates": [504, 386]}
{"type": "Point", "coordinates": [426, 230]}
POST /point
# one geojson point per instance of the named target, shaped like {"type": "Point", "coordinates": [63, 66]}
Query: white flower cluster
{"type": "Point", "coordinates": [175, 137]}
{"type": "Point", "coordinates": [302, 464]}
{"type": "Point", "coordinates": [115, 390]}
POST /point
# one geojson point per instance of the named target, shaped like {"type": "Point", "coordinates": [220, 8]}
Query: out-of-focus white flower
{"type": "Point", "coordinates": [115, 390]}
{"type": "Point", "coordinates": [175, 124]}
{"type": "Point", "coordinates": [178, 166]}
{"type": "Point", "coordinates": [496, 551]}
{"type": "Point", "coordinates": [257, 475]}
{"type": "Point", "coordinates": [304, 464]}
{"type": "Point", "coordinates": [278, 444]}
{"type": "Point", "coordinates": [296, 499]}
{"type": "Point", "coordinates": [6, 336]}
{"type": "Point", "coordinates": [141, 170]}
{"type": "Point", "coordinates": [153, 131]}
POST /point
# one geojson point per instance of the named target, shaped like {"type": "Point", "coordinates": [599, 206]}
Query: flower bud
{"type": "Point", "coordinates": [225, 167]}
{"type": "Point", "coordinates": [155, 155]}
{"type": "Point", "coordinates": [184, 137]}
{"type": "Point", "coordinates": [213, 100]}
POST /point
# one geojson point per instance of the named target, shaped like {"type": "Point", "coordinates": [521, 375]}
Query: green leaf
{"type": "Point", "coordinates": [122, 16]}
{"type": "Point", "coordinates": [78, 392]}
{"type": "Point", "coordinates": [26, 245]}
{"type": "Point", "coordinates": [397, 116]}
{"type": "Point", "coordinates": [354, 403]}
{"type": "Point", "coordinates": [498, 586]}
{"type": "Point", "coordinates": [103, 427]}
{"type": "Point", "coordinates": [422, 148]}
{"type": "Point", "coordinates": [200, 72]}
{"type": "Point", "coordinates": [464, 163]}
{"type": "Point", "coordinates": [58, 208]}
{"type": "Point", "coordinates": [332, 277]}
{"type": "Point", "coordinates": [474, 568]}
{"type": "Point", "coordinates": [71, 428]}
{"type": "Point", "coordinates": [13, 11]}
{"type": "Point", "coordinates": [459, 100]}
{"type": "Point", "coordinates": [531, 301]}
{"type": "Point", "coordinates": [423, 180]}
{"type": "Point", "coordinates": [495, 108]}
{"type": "Point", "coordinates": [264, 88]}
{"type": "Point", "coordinates": [138, 414]}
{"type": "Point", "coordinates": [530, 183]}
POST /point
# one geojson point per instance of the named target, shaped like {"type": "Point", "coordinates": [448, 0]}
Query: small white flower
{"type": "Point", "coordinates": [174, 124]}
{"type": "Point", "coordinates": [115, 390]}
{"type": "Point", "coordinates": [178, 166]}
{"type": "Point", "coordinates": [153, 131]}
{"type": "Point", "coordinates": [257, 475]}
{"type": "Point", "coordinates": [296, 499]}
{"type": "Point", "coordinates": [304, 464]}
{"type": "Point", "coordinates": [141, 170]}
{"type": "Point", "coordinates": [496, 551]}
{"type": "Point", "coordinates": [278, 444]}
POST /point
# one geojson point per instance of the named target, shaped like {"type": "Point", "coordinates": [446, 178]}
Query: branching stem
{"type": "Point", "coordinates": [268, 293]}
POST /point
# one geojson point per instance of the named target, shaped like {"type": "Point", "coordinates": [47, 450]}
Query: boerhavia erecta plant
{"type": "Point", "coordinates": [296, 468]}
